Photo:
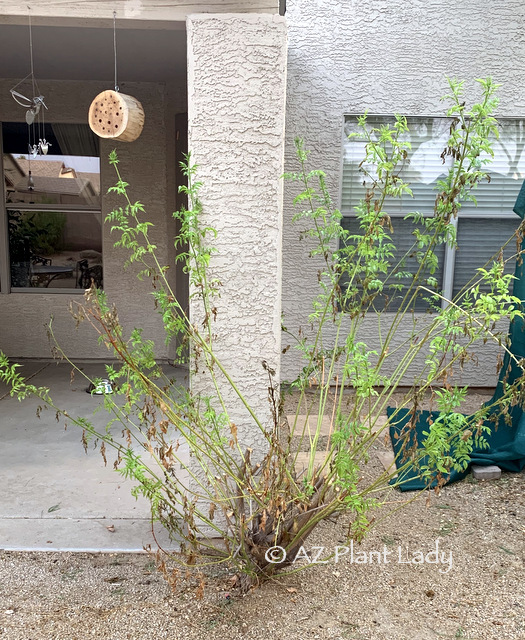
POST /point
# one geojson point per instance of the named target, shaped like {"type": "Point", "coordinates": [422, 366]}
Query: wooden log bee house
{"type": "Point", "coordinates": [117, 116]}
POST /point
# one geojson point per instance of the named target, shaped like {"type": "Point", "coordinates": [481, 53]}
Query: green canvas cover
{"type": "Point", "coordinates": [507, 437]}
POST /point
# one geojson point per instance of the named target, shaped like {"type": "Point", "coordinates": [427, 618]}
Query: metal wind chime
{"type": "Point", "coordinates": [35, 119]}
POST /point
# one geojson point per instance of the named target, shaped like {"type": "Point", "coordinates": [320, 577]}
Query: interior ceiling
{"type": "Point", "coordinates": [77, 53]}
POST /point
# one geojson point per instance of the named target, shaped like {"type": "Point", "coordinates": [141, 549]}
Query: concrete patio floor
{"type": "Point", "coordinates": [54, 496]}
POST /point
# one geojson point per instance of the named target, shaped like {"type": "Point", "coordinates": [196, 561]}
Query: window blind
{"type": "Point", "coordinates": [477, 244]}
{"type": "Point", "coordinates": [403, 239]}
{"type": "Point", "coordinates": [424, 167]}
{"type": "Point", "coordinates": [482, 229]}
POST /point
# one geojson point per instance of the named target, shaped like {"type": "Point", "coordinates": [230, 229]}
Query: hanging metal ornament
{"type": "Point", "coordinates": [33, 150]}
{"type": "Point", "coordinates": [30, 116]}
{"type": "Point", "coordinates": [44, 146]}
{"type": "Point", "coordinates": [31, 104]}
{"type": "Point", "coordinates": [34, 111]}
{"type": "Point", "coordinates": [113, 114]}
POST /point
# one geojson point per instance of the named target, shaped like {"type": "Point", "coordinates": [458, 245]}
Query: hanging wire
{"type": "Point", "coordinates": [41, 126]}
{"type": "Point", "coordinates": [31, 52]}
{"type": "Point", "coordinates": [115, 48]}
{"type": "Point", "coordinates": [30, 181]}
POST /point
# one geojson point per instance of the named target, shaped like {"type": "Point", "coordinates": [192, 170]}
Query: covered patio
{"type": "Point", "coordinates": [210, 81]}
{"type": "Point", "coordinates": [55, 496]}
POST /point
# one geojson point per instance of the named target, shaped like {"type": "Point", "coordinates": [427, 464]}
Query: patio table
{"type": "Point", "coordinates": [50, 272]}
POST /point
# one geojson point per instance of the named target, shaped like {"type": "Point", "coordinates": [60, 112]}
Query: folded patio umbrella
{"type": "Point", "coordinates": [507, 438]}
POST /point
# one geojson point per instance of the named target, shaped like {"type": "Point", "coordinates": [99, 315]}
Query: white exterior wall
{"type": "Point", "coordinates": [236, 96]}
{"type": "Point", "coordinates": [347, 56]}
{"type": "Point", "coordinates": [148, 165]}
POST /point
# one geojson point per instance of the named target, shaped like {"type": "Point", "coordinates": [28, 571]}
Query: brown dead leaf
{"type": "Point", "coordinates": [233, 430]}
{"type": "Point", "coordinates": [103, 453]}
{"type": "Point", "coordinates": [199, 594]}
{"type": "Point", "coordinates": [111, 528]}
{"type": "Point", "coordinates": [84, 441]}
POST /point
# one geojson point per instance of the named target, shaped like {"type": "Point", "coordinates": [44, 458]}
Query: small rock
{"type": "Point", "coordinates": [489, 472]}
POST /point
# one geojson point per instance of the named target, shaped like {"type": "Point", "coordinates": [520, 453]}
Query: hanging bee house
{"type": "Point", "coordinates": [117, 116]}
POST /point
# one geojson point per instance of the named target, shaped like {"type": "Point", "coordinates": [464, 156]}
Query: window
{"type": "Point", "coordinates": [481, 229]}
{"type": "Point", "coordinates": [53, 221]}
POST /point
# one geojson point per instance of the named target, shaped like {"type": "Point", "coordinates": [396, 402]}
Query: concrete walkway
{"type": "Point", "coordinates": [54, 496]}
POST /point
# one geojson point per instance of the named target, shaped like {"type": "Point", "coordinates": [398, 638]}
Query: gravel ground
{"type": "Point", "coordinates": [476, 591]}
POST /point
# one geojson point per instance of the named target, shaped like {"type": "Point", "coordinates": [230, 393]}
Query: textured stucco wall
{"type": "Point", "coordinates": [148, 165]}
{"type": "Point", "coordinates": [236, 96]}
{"type": "Point", "coordinates": [347, 56]}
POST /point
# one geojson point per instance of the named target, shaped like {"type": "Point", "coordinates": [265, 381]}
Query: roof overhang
{"type": "Point", "coordinates": [76, 53]}
{"type": "Point", "coordinates": [155, 14]}
{"type": "Point", "coordinates": [74, 40]}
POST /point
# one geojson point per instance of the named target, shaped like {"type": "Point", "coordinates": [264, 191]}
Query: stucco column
{"type": "Point", "coordinates": [236, 95]}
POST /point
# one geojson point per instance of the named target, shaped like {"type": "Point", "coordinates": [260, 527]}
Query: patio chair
{"type": "Point", "coordinates": [89, 274]}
